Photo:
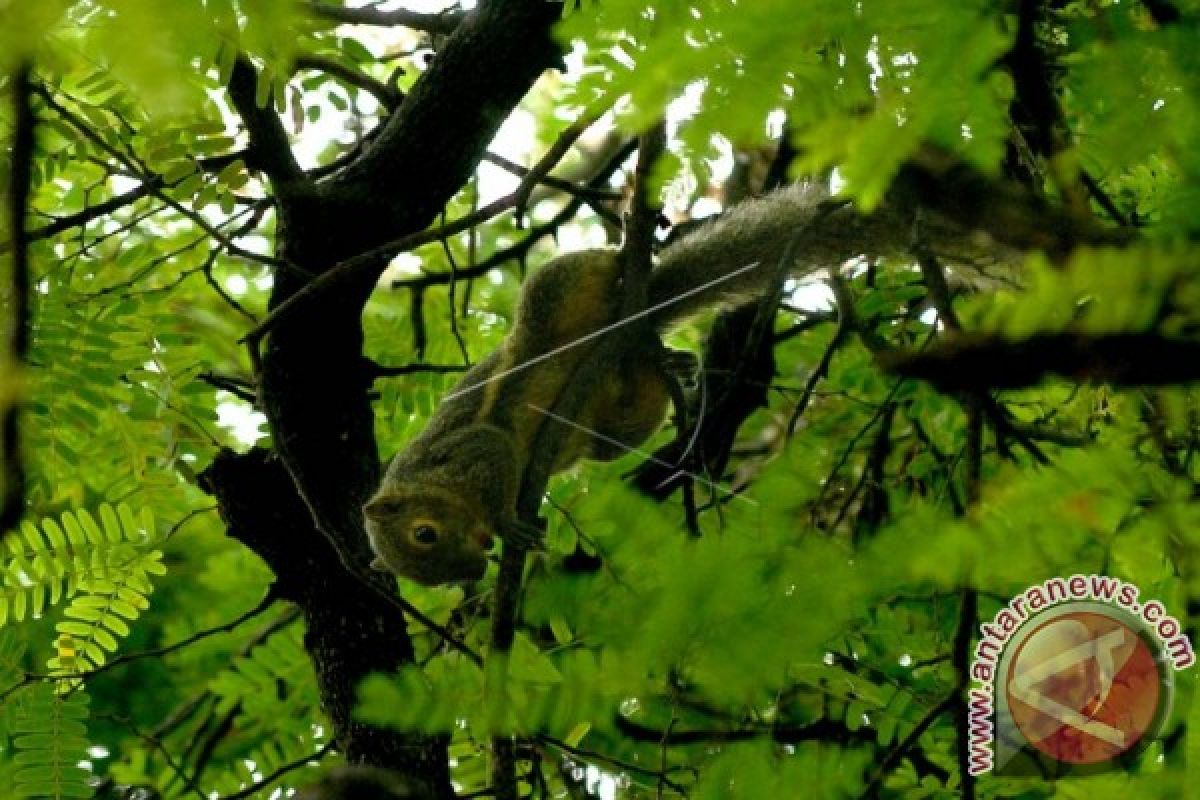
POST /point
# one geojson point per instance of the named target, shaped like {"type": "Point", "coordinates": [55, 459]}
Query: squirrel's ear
{"type": "Point", "coordinates": [380, 508]}
{"type": "Point", "coordinates": [378, 565]}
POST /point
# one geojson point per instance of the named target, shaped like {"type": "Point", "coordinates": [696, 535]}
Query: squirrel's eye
{"type": "Point", "coordinates": [425, 534]}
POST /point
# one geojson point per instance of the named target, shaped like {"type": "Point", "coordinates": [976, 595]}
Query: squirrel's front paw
{"type": "Point", "coordinates": [682, 365]}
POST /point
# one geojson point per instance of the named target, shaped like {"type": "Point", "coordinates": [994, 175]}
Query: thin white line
{"type": "Point", "coordinates": [600, 332]}
{"type": "Point", "coordinates": [703, 407]}
{"type": "Point", "coordinates": [669, 478]}
{"type": "Point", "coordinates": [642, 453]}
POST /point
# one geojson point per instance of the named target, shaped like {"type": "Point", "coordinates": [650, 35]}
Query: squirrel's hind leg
{"type": "Point", "coordinates": [629, 409]}
{"type": "Point", "coordinates": [572, 296]}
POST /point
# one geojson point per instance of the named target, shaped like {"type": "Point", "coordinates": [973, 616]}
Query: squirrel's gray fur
{"type": "Point", "coordinates": [822, 233]}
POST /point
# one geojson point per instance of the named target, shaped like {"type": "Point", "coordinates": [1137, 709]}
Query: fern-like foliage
{"type": "Point", "coordinates": [12, 653]}
{"type": "Point", "coordinates": [91, 423]}
{"type": "Point", "coordinates": [280, 723]}
{"type": "Point", "coordinates": [101, 565]}
{"type": "Point", "coordinates": [278, 754]}
{"type": "Point", "coordinates": [12, 650]}
{"type": "Point", "coordinates": [50, 735]}
{"type": "Point", "coordinates": [273, 683]}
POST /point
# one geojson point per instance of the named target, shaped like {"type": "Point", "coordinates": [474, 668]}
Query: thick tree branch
{"type": "Point", "coordinates": [637, 253]}
{"type": "Point", "coordinates": [443, 23]}
{"type": "Point", "coordinates": [270, 150]}
{"type": "Point", "coordinates": [977, 362]}
{"type": "Point", "coordinates": [1010, 214]}
{"type": "Point", "coordinates": [552, 436]}
{"type": "Point", "coordinates": [349, 631]}
{"type": "Point", "coordinates": [314, 381]}
{"type": "Point", "coordinates": [435, 139]}
{"type": "Point", "coordinates": [1162, 12]}
{"type": "Point", "coordinates": [1035, 108]}
{"type": "Point", "coordinates": [737, 369]}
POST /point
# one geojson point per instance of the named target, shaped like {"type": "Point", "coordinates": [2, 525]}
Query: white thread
{"type": "Point", "coordinates": [642, 453]}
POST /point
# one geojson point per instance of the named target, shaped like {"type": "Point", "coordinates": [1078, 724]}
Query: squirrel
{"type": "Point", "coordinates": [454, 487]}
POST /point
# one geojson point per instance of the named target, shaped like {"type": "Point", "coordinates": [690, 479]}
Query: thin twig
{"type": "Point", "coordinates": [847, 322]}
{"type": "Point", "coordinates": [140, 172]}
{"type": "Point", "coordinates": [365, 263]}
{"type": "Point", "coordinates": [86, 215]}
{"type": "Point", "coordinates": [416, 368]}
{"type": "Point", "coordinates": [226, 627]}
{"type": "Point", "coordinates": [388, 96]}
{"type": "Point", "coordinates": [544, 450]}
{"type": "Point", "coordinates": [278, 773]}
{"type": "Point", "coordinates": [893, 756]}
{"type": "Point", "coordinates": [154, 742]}
{"type": "Point", "coordinates": [556, 152]}
{"type": "Point", "coordinates": [520, 249]}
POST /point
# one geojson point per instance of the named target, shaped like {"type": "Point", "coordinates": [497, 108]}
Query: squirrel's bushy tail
{"type": "Point", "coordinates": [733, 259]}
{"type": "Point", "coordinates": [730, 260]}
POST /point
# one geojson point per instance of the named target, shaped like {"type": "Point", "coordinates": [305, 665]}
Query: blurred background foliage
{"type": "Point", "coordinates": [792, 649]}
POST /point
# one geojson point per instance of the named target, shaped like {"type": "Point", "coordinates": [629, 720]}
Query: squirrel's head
{"type": "Point", "coordinates": [428, 534]}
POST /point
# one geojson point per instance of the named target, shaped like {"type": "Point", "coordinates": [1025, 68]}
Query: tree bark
{"type": "Point", "coordinates": [300, 507]}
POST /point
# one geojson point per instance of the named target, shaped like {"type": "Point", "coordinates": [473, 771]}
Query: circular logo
{"type": "Point", "coordinates": [1084, 687]}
